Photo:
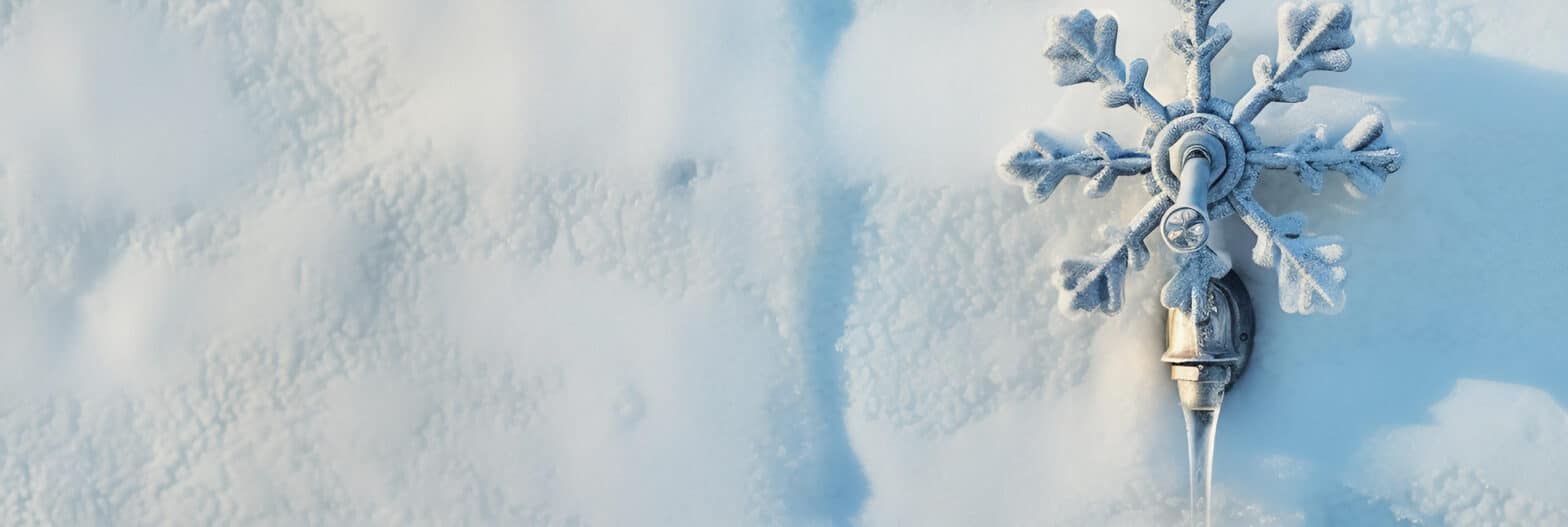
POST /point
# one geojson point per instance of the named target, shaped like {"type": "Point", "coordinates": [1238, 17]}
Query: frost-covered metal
{"type": "Point", "coordinates": [1312, 37]}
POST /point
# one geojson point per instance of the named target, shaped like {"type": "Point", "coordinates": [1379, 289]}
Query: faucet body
{"type": "Point", "coordinates": [1207, 355]}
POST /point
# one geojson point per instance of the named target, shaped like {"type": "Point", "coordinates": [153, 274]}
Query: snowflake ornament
{"type": "Point", "coordinates": [1312, 37]}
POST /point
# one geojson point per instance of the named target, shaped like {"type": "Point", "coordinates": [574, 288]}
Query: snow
{"type": "Point", "coordinates": [1490, 454]}
{"type": "Point", "coordinates": [700, 262]}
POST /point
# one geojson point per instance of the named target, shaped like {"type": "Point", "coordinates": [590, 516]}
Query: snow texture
{"type": "Point", "coordinates": [718, 263]}
{"type": "Point", "coordinates": [1312, 37]}
{"type": "Point", "coordinates": [1454, 472]}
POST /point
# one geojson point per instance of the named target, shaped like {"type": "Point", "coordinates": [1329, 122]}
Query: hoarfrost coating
{"type": "Point", "coordinates": [1312, 37]}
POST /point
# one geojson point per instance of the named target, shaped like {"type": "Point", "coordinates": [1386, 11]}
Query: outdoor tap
{"type": "Point", "coordinates": [1200, 154]}
{"type": "Point", "coordinates": [1208, 352]}
{"type": "Point", "coordinates": [1199, 158]}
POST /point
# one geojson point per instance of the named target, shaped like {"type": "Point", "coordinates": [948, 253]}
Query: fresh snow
{"type": "Point", "coordinates": [705, 262]}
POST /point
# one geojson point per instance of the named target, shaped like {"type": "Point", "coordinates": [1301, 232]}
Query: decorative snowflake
{"type": "Point", "coordinates": [1313, 37]}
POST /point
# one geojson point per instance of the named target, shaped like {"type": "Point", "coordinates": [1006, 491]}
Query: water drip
{"type": "Point", "coordinates": [1201, 425]}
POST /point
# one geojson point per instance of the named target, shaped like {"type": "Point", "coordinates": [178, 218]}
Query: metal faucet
{"type": "Point", "coordinates": [1207, 349]}
{"type": "Point", "coordinates": [1199, 159]}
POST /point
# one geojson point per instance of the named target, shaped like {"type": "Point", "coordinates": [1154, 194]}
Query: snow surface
{"type": "Point", "coordinates": [704, 262]}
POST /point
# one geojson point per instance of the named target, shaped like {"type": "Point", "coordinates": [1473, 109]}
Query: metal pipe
{"type": "Point", "coordinates": [1200, 159]}
{"type": "Point", "coordinates": [1195, 181]}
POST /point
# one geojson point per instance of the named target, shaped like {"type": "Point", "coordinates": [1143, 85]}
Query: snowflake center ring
{"type": "Point", "coordinates": [1165, 175]}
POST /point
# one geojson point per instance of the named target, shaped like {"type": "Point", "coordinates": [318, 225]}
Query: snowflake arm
{"type": "Point", "coordinates": [1038, 164]}
{"type": "Point", "coordinates": [1312, 37]}
{"type": "Point", "coordinates": [1363, 155]}
{"type": "Point", "coordinates": [1097, 283]}
{"type": "Point", "coordinates": [1311, 279]}
{"type": "Point", "coordinates": [1188, 289]}
{"type": "Point", "coordinates": [1083, 49]}
{"type": "Point", "coordinates": [1198, 44]}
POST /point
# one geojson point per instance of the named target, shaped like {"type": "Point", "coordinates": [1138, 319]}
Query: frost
{"type": "Point", "coordinates": [1362, 155]}
{"type": "Point", "coordinates": [1312, 37]}
{"type": "Point", "coordinates": [1198, 44]}
{"type": "Point", "coordinates": [1189, 289]}
{"type": "Point", "coordinates": [1310, 277]}
{"type": "Point", "coordinates": [1095, 284]}
{"type": "Point", "coordinates": [1038, 164]}
{"type": "Point", "coordinates": [1083, 49]}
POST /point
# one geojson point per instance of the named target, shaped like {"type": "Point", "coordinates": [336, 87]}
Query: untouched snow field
{"type": "Point", "coordinates": [708, 262]}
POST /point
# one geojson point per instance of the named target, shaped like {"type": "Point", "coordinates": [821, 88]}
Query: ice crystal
{"type": "Point", "coordinates": [1312, 37]}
